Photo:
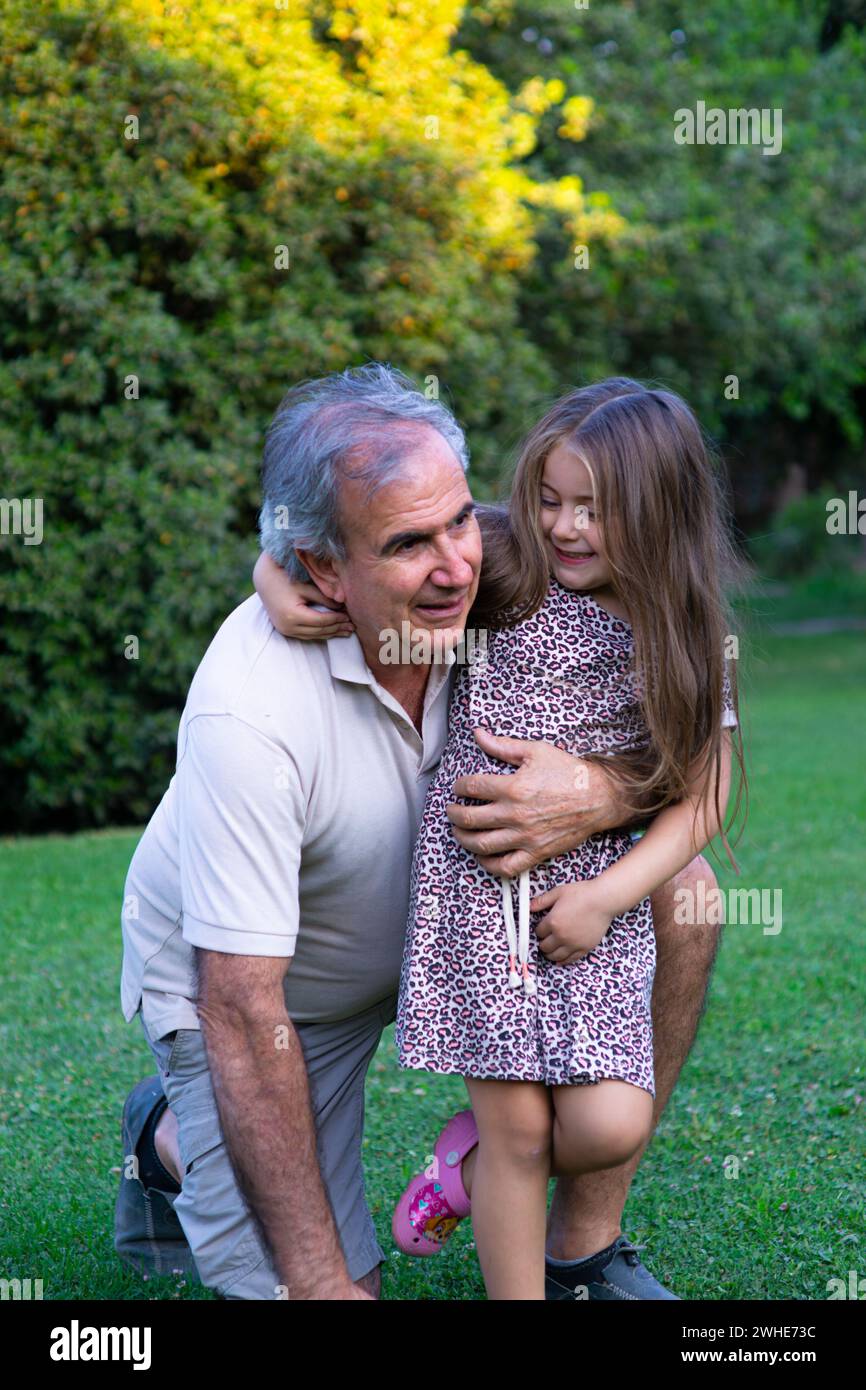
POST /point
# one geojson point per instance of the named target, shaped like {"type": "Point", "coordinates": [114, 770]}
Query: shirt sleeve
{"type": "Point", "coordinates": [241, 820]}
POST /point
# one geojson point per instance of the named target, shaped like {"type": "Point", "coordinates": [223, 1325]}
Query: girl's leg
{"type": "Point", "coordinates": [598, 1126]}
{"type": "Point", "coordinates": [509, 1184]}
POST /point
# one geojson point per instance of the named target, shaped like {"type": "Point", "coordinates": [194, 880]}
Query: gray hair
{"type": "Point", "coordinates": [372, 414]}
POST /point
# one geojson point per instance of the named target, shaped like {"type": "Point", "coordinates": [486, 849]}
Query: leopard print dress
{"type": "Point", "coordinates": [563, 675]}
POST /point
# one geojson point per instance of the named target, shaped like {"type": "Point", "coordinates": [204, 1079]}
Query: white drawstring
{"type": "Point", "coordinates": [518, 939]}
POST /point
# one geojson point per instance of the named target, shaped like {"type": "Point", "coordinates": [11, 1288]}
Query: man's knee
{"type": "Point", "coordinates": [687, 905]}
{"type": "Point", "coordinates": [687, 939]}
{"type": "Point", "coordinates": [371, 1283]}
{"type": "Point", "coordinates": [688, 932]}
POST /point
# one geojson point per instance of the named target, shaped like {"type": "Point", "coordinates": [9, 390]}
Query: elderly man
{"type": "Point", "coordinates": [266, 903]}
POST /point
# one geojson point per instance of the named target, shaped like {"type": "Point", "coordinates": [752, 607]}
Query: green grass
{"type": "Point", "coordinates": [775, 1079]}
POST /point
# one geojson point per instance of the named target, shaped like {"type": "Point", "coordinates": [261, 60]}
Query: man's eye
{"type": "Point", "coordinates": [404, 544]}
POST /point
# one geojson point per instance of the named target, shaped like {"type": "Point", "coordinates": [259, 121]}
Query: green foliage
{"type": "Point", "coordinates": [425, 171]}
{"type": "Point", "coordinates": [732, 262]}
{"type": "Point", "coordinates": [159, 258]}
{"type": "Point", "coordinates": [799, 544]}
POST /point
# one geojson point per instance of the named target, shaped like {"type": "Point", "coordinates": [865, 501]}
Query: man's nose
{"type": "Point", "coordinates": [453, 570]}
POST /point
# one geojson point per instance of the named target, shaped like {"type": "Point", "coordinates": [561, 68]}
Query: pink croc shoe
{"type": "Point", "coordinates": [435, 1200]}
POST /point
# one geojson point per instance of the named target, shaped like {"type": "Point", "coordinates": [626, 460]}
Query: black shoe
{"type": "Point", "coordinates": [147, 1234]}
{"type": "Point", "coordinates": [623, 1277]}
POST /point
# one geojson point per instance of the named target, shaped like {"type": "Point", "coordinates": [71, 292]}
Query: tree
{"type": "Point", "coordinates": [199, 207]}
{"type": "Point", "coordinates": [733, 263]}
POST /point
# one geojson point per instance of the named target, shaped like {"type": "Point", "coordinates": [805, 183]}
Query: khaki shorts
{"type": "Point", "coordinates": [213, 1212]}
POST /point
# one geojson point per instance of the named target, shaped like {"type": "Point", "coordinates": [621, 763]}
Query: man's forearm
{"type": "Point", "coordinates": [263, 1098]}
{"type": "Point", "coordinates": [614, 805]}
{"type": "Point", "coordinates": [550, 805]}
{"type": "Point", "coordinates": [600, 803]}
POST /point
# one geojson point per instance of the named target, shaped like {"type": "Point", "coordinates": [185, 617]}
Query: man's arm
{"type": "Point", "coordinates": [551, 804]}
{"type": "Point", "coordinates": [263, 1098]}
{"type": "Point", "coordinates": [241, 822]}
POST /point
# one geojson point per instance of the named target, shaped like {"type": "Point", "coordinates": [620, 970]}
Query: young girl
{"type": "Point", "coordinates": [601, 590]}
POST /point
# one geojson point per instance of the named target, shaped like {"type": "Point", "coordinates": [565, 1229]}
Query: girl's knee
{"type": "Point", "coordinates": [524, 1140]}
{"type": "Point", "coordinates": [529, 1141]}
{"type": "Point", "coordinates": [592, 1150]}
{"type": "Point", "coordinates": [602, 1130]}
{"type": "Point", "coordinates": [517, 1127]}
{"type": "Point", "coordinates": [620, 1141]}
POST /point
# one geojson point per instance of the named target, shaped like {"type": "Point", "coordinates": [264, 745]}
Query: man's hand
{"type": "Point", "coordinates": [577, 921]}
{"type": "Point", "coordinates": [551, 804]}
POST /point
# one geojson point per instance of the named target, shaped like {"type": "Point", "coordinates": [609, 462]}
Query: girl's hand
{"type": "Point", "coordinates": [577, 921]}
{"type": "Point", "coordinates": [287, 605]}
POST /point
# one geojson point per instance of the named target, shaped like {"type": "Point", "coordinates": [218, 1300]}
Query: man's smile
{"type": "Point", "coordinates": [443, 608]}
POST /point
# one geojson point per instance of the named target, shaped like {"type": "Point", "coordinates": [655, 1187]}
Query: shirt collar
{"type": "Point", "coordinates": [346, 657]}
{"type": "Point", "coordinates": [348, 663]}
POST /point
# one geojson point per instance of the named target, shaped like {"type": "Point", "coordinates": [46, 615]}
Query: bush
{"type": "Point", "coordinates": [799, 545]}
{"type": "Point", "coordinates": [152, 324]}
{"type": "Point", "coordinates": [326, 181]}
{"type": "Point", "coordinates": [732, 263]}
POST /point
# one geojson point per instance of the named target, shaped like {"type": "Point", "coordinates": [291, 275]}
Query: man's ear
{"type": "Point", "coordinates": [323, 572]}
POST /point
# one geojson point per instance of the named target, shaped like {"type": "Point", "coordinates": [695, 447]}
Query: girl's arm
{"type": "Point", "coordinates": [287, 604]}
{"type": "Point", "coordinates": [582, 912]}
{"type": "Point", "coordinates": [672, 841]}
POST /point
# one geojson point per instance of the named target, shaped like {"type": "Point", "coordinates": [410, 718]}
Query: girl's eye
{"type": "Point", "coordinates": [548, 502]}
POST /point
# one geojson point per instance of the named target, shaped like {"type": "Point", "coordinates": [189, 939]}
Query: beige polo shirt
{"type": "Point", "coordinates": [287, 828]}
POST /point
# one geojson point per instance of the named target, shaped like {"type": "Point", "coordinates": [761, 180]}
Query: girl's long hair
{"type": "Point", "coordinates": [666, 533]}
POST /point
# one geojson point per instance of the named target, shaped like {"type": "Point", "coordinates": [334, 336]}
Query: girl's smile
{"type": "Point", "coordinates": [571, 535]}
{"type": "Point", "coordinates": [575, 557]}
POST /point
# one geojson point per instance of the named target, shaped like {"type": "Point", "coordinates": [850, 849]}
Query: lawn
{"type": "Point", "coordinates": [771, 1092]}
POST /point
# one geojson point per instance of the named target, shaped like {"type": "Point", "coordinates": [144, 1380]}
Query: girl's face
{"type": "Point", "coordinates": [572, 536]}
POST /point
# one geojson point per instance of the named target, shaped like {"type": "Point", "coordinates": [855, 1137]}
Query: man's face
{"type": "Point", "coordinates": [414, 550]}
